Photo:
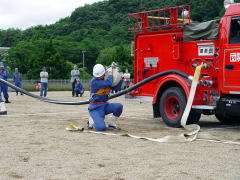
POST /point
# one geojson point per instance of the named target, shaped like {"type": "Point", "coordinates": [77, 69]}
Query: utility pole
{"type": "Point", "coordinates": [141, 5]}
{"type": "Point", "coordinates": [83, 55]}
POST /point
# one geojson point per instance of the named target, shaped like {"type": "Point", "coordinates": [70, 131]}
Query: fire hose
{"type": "Point", "coordinates": [147, 80]}
{"type": "Point", "coordinates": [193, 129]}
{"type": "Point", "coordinates": [181, 138]}
{"type": "Point", "coordinates": [184, 137]}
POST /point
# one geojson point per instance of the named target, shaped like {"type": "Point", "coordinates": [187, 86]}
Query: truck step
{"type": "Point", "coordinates": [207, 107]}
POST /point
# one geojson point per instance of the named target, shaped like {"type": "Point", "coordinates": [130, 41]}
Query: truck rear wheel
{"type": "Point", "coordinates": [172, 105]}
{"type": "Point", "coordinates": [225, 114]}
{"type": "Point", "coordinates": [226, 119]}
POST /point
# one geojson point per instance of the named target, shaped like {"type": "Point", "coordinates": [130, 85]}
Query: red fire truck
{"type": "Point", "coordinates": [168, 39]}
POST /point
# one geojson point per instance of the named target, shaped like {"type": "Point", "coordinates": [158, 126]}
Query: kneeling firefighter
{"type": "Point", "coordinates": [99, 107]}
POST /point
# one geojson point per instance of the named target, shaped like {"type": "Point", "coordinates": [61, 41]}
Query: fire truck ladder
{"type": "Point", "coordinates": [167, 18]}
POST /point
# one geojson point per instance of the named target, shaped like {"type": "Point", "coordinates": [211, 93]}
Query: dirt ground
{"type": "Point", "coordinates": [35, 145]}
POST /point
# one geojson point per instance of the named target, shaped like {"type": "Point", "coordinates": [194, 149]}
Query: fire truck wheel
{"type": "Point", "coordinates": [226, 119]}
{"type": "Point", "coordinates": [172, 105]}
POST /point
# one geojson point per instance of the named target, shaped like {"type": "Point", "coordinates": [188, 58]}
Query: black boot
{"type": "Point", "coordinates": [3, 112]}
{"type": "Point", "coordinates": [7, 101]}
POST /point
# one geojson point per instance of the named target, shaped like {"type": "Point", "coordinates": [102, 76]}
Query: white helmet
{"type": "Point", "coordinates": [185, 13]}
{"type": "Point", "coordinates": [98, 70]}
{"type": "Point", "coordinates": [227, 3]}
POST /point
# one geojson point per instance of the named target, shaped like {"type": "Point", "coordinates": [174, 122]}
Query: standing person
{"type": "Point", "coordinates": [3, 110]}
{"type": "Point", "coordinates": [79, 89]}
{"type": "Point", "coordinates": [17, 79]}
{"type": "Point", "coordinates": [44, 82]}
{"type": "Point", "coordinates": [74, 76]}
{"type": "Point", "coordinates": [4, 74]}
{"type": "Point", "coordinates": [126, 79]}
{"type": "Point", "coordinates": [99, 107]}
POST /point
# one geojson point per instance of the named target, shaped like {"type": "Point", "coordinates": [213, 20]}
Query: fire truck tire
{"type": "Point", "coordinates": [226, 119]}
{"type": "Point", "coordinates": [172, 105]}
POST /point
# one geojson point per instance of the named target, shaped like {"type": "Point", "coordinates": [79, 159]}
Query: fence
{"type": "Point", "coordinates": [53, 85]}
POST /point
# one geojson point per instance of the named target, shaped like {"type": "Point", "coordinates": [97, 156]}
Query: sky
{"type": "Point", "coordinates": [23, 14]}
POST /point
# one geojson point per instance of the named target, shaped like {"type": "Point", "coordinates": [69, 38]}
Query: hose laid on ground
{"type": "Point", "coordinates": [192, 129]}
{"type": "Point", "coordinates": [147, 80]}
{"type": "Point", "coordinates": [184, 137]}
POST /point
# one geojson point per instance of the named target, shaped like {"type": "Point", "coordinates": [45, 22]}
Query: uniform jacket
{"type": "Point", "coordinates": [4, 74]}
{"type": "Point", "coordinates": [17, 77]}
{"type": "Point", "coordinates": [79, 88]}
{"type": "Point", "coordinates": [100, 89]}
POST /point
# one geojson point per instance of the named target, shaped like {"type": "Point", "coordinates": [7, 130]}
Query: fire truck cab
{"type": "Point", "coordinates": [167, 39]}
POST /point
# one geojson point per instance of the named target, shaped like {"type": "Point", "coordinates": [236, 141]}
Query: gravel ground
{"type": "Point", "coordinates": [35, 145]}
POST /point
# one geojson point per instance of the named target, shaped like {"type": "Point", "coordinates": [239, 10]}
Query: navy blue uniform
{"type": "Point", "coordinates": [99, 107]}
{"type": "Point", "coordinates": [17, 79]}
{"type": "Point", "coordinates": [1, 100]}
{"type": "Point", "coordinates": [79, 89]}
{"type": "Point", "coordinates": [4, 74]}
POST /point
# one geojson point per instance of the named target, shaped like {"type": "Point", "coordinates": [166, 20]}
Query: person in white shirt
{"type": "Point", "coordinates": [44, 82]}
{"type": "Point", "coordinates": [74, 77]}
{"type": "Point", "coordinates": [126, 79]}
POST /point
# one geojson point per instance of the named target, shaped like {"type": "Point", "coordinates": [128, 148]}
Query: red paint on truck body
{"type": "Point", "coordinates": [159, 46]}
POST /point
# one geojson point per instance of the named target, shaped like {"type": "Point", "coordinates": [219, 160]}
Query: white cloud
{"type": "Point", "coordinates": [26, 13]}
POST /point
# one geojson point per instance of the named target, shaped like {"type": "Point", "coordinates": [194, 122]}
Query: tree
{"type": "Point", "coordinates": [51, 59]}
{"type": "Point", "coordinates": [100, 29]}
{"type": "Point", "coordinates": [30, 57]}
{"type": "Point", "coordinates": [119, 54]}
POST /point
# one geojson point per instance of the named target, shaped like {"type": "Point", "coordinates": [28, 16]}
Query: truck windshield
{"type": "Point", "coordinates": [234, 37]}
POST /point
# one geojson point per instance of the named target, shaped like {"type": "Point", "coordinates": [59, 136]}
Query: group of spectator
{"type": "Point", "coordinates": [77, 86]}
{"type": "Point", "coordinates": [17, 80]}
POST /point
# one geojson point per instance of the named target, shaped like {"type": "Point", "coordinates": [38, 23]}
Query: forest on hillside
{"type": "Point", "coordinates": [99, 32]}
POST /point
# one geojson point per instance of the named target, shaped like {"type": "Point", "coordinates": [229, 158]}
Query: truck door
{"type": "Point", "coordinates": [231, 61]}
{"type": "Point", "coordinates": [147, 63]}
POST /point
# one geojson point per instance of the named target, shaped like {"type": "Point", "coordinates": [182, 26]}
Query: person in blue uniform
{"type": "Point", "coordinates": [4, 74]}
{"type": "Point", "coordinates": [3, 110]}
{"type": "Point", "coordinates": [17, 79]}
{"type": "Point", "coordinates": [79, 89]}
{"type": "Point", "coordinates": [99, 106]}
